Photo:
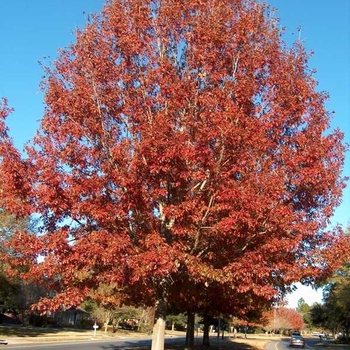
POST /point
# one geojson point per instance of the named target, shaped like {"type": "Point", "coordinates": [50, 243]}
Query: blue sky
{"type": "Point", "coordinates": [325, 30]}
{"type": "Point", "coordinates": [32, 30]}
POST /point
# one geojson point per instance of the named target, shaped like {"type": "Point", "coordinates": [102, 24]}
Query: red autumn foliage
{"type": "Point", "coordinates": [283, 319]}
{"type": "Point", "coordinates": [13, 170]}
{"type": "Point", "coordinates": [182, 142]}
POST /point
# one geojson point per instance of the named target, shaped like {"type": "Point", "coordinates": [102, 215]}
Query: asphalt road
{"type": "Point", "coordinates": [311, 343]}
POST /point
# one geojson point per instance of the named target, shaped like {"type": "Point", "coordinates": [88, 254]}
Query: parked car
{"type": "Point", "coordinates": [297, 340]}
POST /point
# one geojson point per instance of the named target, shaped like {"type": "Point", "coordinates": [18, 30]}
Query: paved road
{"type": "Point", "coordinates": [93, 344]}
{"type": "Point", "coordinates": [312, 343]}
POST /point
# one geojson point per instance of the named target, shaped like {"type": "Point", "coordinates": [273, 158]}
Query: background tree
{"type": "Point", "coordinates": [16, 295]}
{"type": "Point", "coordinates": [304, 309]}
{"type": "Point", "coordinates": [118, 317]}
{"type": "Point", "coordinates": [283, 320]}
{"type": "Point", "coordinates": [182, 142]}
{"type": "Point", "coordinates": [333, 315]}
{"type": "Point", "coordinates": [179, 320]}
{"type": "Point", "coordinates": [337, 303]}
{"type": "Point", "coordinates": [318, 315]}
{"type": "Point", "coordinates": [105, 302]}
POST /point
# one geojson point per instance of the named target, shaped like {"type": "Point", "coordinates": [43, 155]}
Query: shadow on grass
{"type": "Point", "coordinates": [8, 330]}
{"type": "Point", "coordinates": [226, 344]}
{"type": "Point", "coordinates": [29, 331]}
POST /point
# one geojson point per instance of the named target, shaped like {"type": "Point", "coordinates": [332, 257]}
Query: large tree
{"type": "Point", "coordinates": [182, 142]}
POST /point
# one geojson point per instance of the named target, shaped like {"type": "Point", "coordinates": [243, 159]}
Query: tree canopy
{"type": "Point", "coordinates": [182, 142]}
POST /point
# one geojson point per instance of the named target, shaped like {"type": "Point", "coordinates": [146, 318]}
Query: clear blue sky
{"type": "Point", "coordinates": [32, 30]}
{"type": "Point", "coordinates": [325, 30]}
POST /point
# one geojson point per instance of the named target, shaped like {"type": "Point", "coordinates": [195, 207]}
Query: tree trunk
{"type": "Point", "coordinates": [190, 330]}
{"type": "Point", "coordinates": [107, 319]}
{"type": "Point", "coordinates": [206, 331]}
{"type": "Point", "coordinates": [158, 335]}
